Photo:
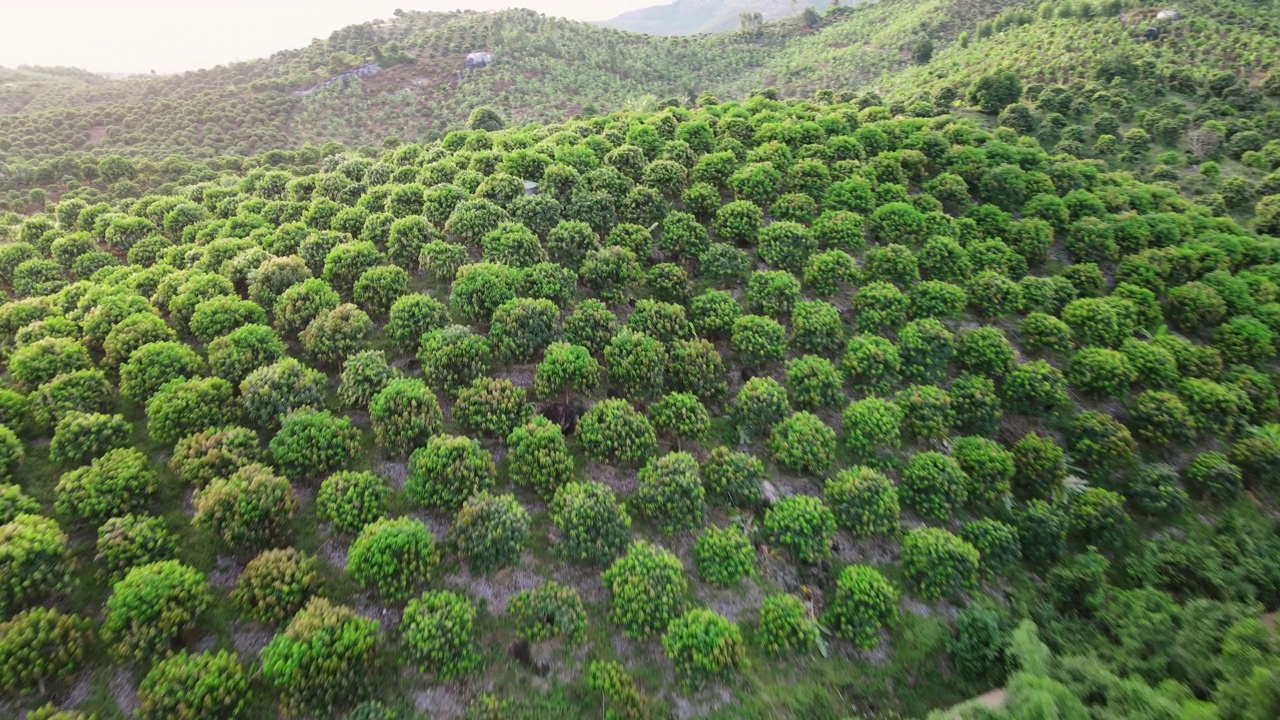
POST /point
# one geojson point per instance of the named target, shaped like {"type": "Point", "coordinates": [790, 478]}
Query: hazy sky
{"type": "Point", "coordinates": [177, 35]}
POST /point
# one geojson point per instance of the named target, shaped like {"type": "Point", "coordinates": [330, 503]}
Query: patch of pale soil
{"type": "Point", "coordinates": [623, 481]}
{"type": "Point", "coordinates": [226, 569]}
{"type": "Point", "coordinates": [359, 418]}
{"type": "Point", "coordinates": [368, 606]}
{"type": "Point", "coordinates": [78, 693]}
{"type": "Point", "coordinates": [334, 551]}
{"type": "Point", "coordinates": [519, 375]}
{"type": "Point", "coordinates": [306, 493]}
{"type": "Point", "coordinates": [439, 702]}
{"type": "Point", "coordinates": [864, 550]}
{"type": "Point", "coordinates": [496, 590]}
{"type": "Point", "coordinates": [736, 603]}
{"type": "Point", "coordinates": [437, 522]}
{"type": "Point", "coordinates": [915, 607]}
{"type": "Point", "coordinates": [395, 473]}
{"type": "Point", "coordinates": [124, 690]}
{"type": "Point", "coordinates": [584, 579]}
{"type": "Point", "coordinates": [777, 570]}
{"type": "Point", "coordinates": [250, 637]}
{"type": "Point", "coordinates": [705, 702]}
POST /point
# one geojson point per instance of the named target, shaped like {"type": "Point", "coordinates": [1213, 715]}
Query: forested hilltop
{"type": "Point", "coordinates": [954, 396]}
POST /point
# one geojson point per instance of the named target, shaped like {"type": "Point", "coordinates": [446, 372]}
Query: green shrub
{"type": "Point", "coordinates": [538, 458]}
{"type": "Point", "coordinates": [453, 357]}
{"type": "Point", "coordinates": [1258, 456]}
{"type": "Point", "coordinates": [759, 405]}
{"type": "Point", "coordinates": [872, 423]}
{"type": "Point", "coordinates": [205, 686]}
{"type": "Point", "coordinates": [364, 375]}
{"type": "Point", "coordinates": [1153, 365]}
{"type": "Point", "coordinates": [802, 442]}
{"type": "Point", "coordinates": [758, 340]}
{"type": "Point", "coordinates": [1096, 516]}
{"type": "Point", "coordinates": [220, 315]}
{"type": "Point", "coordinates": [738, 222]}
{"type": "Point", "coordinates": [13, 502]}
{"type": "Point", "coordinates": [592, 524]}
{"type": "Point", "coordinates": [183, 407]}
{"type": "Point", "coordinates": [404, 414]}
{"type": "Point", "coordinates": [15, 411]}
{"type": "Point", "coordinates": [713, 313]}
{"type": "Point", "coordinates": [938, 564]}
{"type": "Point", "coordinates": [1035, 388]}
{"type": "Point", "coordinates": [816, 326]}
{"type": "Point", "coordinates": [144, 328]}
{"type": "Point", "coordinates": [989, 467]}
{"type": "Point", "coordinates": [785, 626]}
{"type": "Point", "coordinates": [441, 259]}
{"type": "Point", "coordinates": [980, 648]}
{"type": "Point", "coordinates": [153, 365]}
{"type": "Point", "coordinates": [1245, 340]}
{"type": "Point", "coordinates": [635, 364]}
{"type": "Point", "coordinates": [802, 526]}
{"type": "Point", "coordinates": [118, 483]}
{"type": "Point", "coordinates": [878, 306]}
{"type": "Point", "coordinates": [523, 326]}
{"type": "Point", "coordinates": [934, 485]}
{"type": "Point", "coordinates": [647, 589]}
{"type": "Point", "coordinates": [733, 477]}
{"type": "Point", "coordinates": [871, 362]}
{"type": "Point", "coordinates": [1104, 322]}
{"type": "Point", "coordinates": [564, 369]}
{"type": "Point", "coordinates": [128, 541]}
{"type": "Point", "coordinates": [610, 273]}
{"type": "Point", "coordinates": [549, 611]}
{"type": "Point", "coordinates": [863, 604]}
{"type": "Point", "coordinates": [380, 287]}
{"type": "Point", "coordinates": [43, 360]}
{"type": "Point", "coordinates": [1100, 441]}
{"type": "Point", "coordinates": [494, 406]}
{"type": "Point", "coordinates": [82, 390]}
{"type": "Point", "coordinates": [997, 545]}
{"type": "Point", "coordinates": [1039, 331]}
{"type": "Point", "coordinates": [864, 501]}
{"type": "Point", "coordinates": [217, 452]}
{"type": "Point", "coordinates": [610, 680]}
{"type": "Point", "coordinates": [704, 645]}
{"type": "Point", "coordinates": [1155, 490]}
{"type": "Point", "coordinates": [273, 391]}
{"type": "Point", "coordinates": [680, 416]}
{"type": "Point", "coordinates": [1101, 371]}
{"type": "Point", "coordinates": [41, 649]}
{"type": "Point", "coordinates": [490, 531]}
{"type": "Point", "coordinates": [324, 660]}
{"type": "Point", "coordinates": [250, 510]}
{"type": "Point", "coordinates": [351, 500]}
{"type": "Point", "coordinates": [1195, 307]}
{"type": "Point", "coordinates": [723, 556]}
{"type": "Point", "coordinates": [151, 608]}
{"type": "Point", "coordinates": [234, 355]}
{"type": "Point", "coordinates": [926, 411]}
{"type": "Point", "coordinates": [312, 443]}
{"type": "Point", "coordinates": [335, 335]}
{"type": "Point", "coordinates": [300, 304]}
{"type": "Point", "coordinates": [394, 557]}
{"type": "Point", "coordinates": [275, 585]}
{"type": "Point", "coordinates": [670, 492]}
{"type": "Point", "coordinates": [411, 316]}
{"type": "Point", "coordinates": [439, 634]}
{"type": "Point", "coordinates": [613, 431]}
{"type": "Point", "coordinates": [35, 561]}
{"type": "Point", "coordinates": [1211, 474]}
{"type": "Point", "coordinates": [1161, 418]}
{"type": "Point", "coordinates": [591, 325]}
{"type": "Point", "coordinates": [984, 350]}
{"type": "Point", "coordinates": [447, 470]}
{"type": "Point", "coordinates": [77, 437]}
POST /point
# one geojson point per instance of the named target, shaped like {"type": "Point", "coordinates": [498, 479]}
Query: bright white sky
{"type": "Point", "coordinates": [176, 35]}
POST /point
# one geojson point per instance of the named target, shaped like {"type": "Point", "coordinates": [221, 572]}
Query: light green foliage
{"type": "Point", "coordinates": [723, 556]}
{"type": "Point", "coordinates": [802, 442]}
{"type": "Point", "coordinates": [1101, 371]}
{"type": "Point", "coordinates": [151, 607]}
{"type": "Point", "coordinates": [670, 492]}
{"type": "Point", "coordinates": [988, 466]}
{"type": "Point", "coordinates": [680, 415]}
{"type": "Point", "coordinates": [128, 541]}
{"type": "Point", "coordinates": [814, 382]}
{"type": "Point", "coordinates": [273, 391]}
{"type": "Point", "coordinates": [204, 686]}
{"type": "Point", "coordinates": [786, 627]}
{"type": "Point", "coordinates": [758, 340]}
{"type": "Point", "coordinates": [926, 411]}
{"type": "Point", "coordinates": [447, 470]}
{"type": "Point", "coordinates": [439, 634]}
{"type": "Point", "coordinates": [635, 363]}
{"type": "Point", "coordinates": [759, 405]}
{"type": "Point", "coordinates": [312, 443]}
{"type": "Point", "coordinates": [863, 501]}
{"type": "Point", "coordinates": [548, 611]}
{"type": "Point", "coordinates": [704, 645]}
{"type": "Point", "coordinates": [802, 526]}
{"type": "Point", "coordinates": [76, 438]}
{"type": "Point", "coordinates": [351, 500]}
{"type": "Point", "coordinates": [404, 414]}
{"type": "Point", "coordinates": [537, 456]}
{"type": "Point", "coordinates": [118, 483]}
{"type": "Point", "coordinates": [182, 407]}
{"type": "Point", "coordinates": [872, 423]}
{"type": "Point", "coordinates": [217, 452]}
{"type": "Point", "coordinates": [411, 316]}
{"type": "Point", "coordinates": [934, 485]}
{"type": "Point", "coordinates": [1035, 388]}
{"type": "Point", "coordinates": [1100, 441]}
{"type": "Point", "coordinates": [614, 431]}
{"type": "Point", "coordinates": [938, 564]}
{"type": "Point", "coordinates": [41, 649]}
{"type": "Point", "coordinates": [154, 364]}
{"type": "Point", "coordinates": [13, 502]}
{"type": "Point", "coordinates": [564, 369]}
{"type": "Point", "coordinates": [35, 561]}
{"type": "Point", "coordinates": [490, 531]}
{"type": "Point", "coordinates": [234, 355]}
{"type": "Point", "coordinates": [326, 658]}
{"type": "Point", "coordinates": [523, 326]}
{"type": "Point", "coordinates": [646, 588]}
{"type": "Point", "coordinates": [275, 585]}
{"type": "Point", "coordinates": [734, 478]}
{"type": "Point", "coordinates": [394, 557]}
{"type": "Point", "coordinates": [864, 604]}
{"type": "Point", "coordinates": [252, 509]}
{"type": "Point", "coordinates": [816, 326]}
{"type": "Point", "coordinates": [452, 357]}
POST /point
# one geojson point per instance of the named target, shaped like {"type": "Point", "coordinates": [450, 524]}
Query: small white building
{"type": "Point", "coordinates": [479, 59]}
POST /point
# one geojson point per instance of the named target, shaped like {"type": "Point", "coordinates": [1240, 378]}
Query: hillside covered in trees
{"type": "Point", "coordinates": [932, 376]}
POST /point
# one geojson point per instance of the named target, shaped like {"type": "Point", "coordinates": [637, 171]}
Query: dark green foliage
{"type": "Point", "coordinates": [863, 501]}
{"type": "Point", "coordinates": [493, 406]}
{"type": "Point", "coordinates": [490, 531]}
{"type": "Point", "coordinates": [989, 467]}
{"type": "Point", "coordinates": [275, 390]}
{"type": "Point", "coordinates": [614, 431]}
{"type": "Point", "coordinates": [938, 564]}
{"type": "Point", "coordinates": [635, 363]}
{"type": "Point", "coordinates": [926, 412]}
{"type": "Point", "coordinates": [934, 485]}
{"type": "Point", "coordinates": [452, 357]}
{"type": "Point", "coordinates": [814, 382]}
{"type": "Point", "coordinates": [252, 509]}
{"type": "Point", "coordinates": [647, 589]}
{"type": "Point", "coordinates": [76, 438]}
{"type": "Point", "coordinates": [802, 442]}
{"type": "Point", "coordinates": [324, 660]}
{"type": "Point", "coordinates": [275, 585]}
{"type": "Point", "coordinates": [1035, 388]}
{"type": "Point", "coordinates": [549, 611]}
{"type": "Point", "coordinates": [40, 650]}
{"type": "Point", "coordinates": [35, 562]}
{"type": "Point", "coordinates": [204, 686]}
{"type": "Point", "coordinates": [864, 603]}
{"type": "Point", "coordinates": [733, 477]}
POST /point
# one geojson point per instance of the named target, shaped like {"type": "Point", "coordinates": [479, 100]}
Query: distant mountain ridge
{"type": "Point", "coordinates": [692, 17]}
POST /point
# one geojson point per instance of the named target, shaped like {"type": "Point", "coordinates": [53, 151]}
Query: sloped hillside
{"type": "Point", "coordinates": [691, 17]}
